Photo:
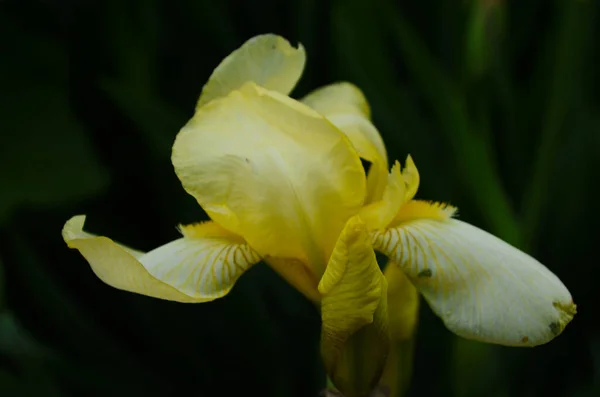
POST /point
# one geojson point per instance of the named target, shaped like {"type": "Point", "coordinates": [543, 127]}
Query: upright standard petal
{"type": "Point", "coordinates": [411, 178]}
{"type": "Point", "coordinates": [396, 202]}
{"type": "Point", "coordinates": [201, 266]}
{"type": "Point", "coordinates": [267, 60]}
{"type": "Point", "coordinates": [272, 170]}
{"type": "Point", "coordinates": [346, 107]}
{"type": "Point", "coordinates": [355, 336]}
{"type": "Point", "coordinates": [482, 288]}
{"type": "Point", "coordinates": [381, 213]}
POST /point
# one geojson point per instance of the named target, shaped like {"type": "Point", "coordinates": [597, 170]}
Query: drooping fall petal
{"type": "Point", "coordinates": [482, 288]}
{"type": "Point", "coordinates": [355, 335]}
{"type": "Point", "coordinates": [272, 170]}
{"type": "Point", "coordinates": [267, 60]}
{"type": "Point", "coordinates": [346, 107]}
{"type": "Point", "coordinates": [200, 267]}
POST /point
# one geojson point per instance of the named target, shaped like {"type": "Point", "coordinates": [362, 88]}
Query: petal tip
{"type": "Point", "coordinates": [355, 228]}
{"type": "Point", "coordinates": [268, 59]}
{"type": "Point", "coordinates": [73, 227]}
{"type": "Point", "coordinates": [566, 312]}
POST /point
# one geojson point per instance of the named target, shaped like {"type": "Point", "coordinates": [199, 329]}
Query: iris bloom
{"type": "Point", "coordinates": [283, 183]}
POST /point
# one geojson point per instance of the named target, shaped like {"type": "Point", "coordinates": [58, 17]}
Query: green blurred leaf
{"type": "Point", "coordinates": [306, 13]}
{"type": "Point", "coordinates": [47, 156]}
{"type": "Point", "coordinates": [133, 41]}
{"type": "Point", "coordinates": [565, 57]}
{"type": "Point", "coordinates": [78, 331]}
{"type": "Point", "coordinates": [38, 370]}
{"type": "Point", "coordinates": [30, 377]}
{"type": "Point", "coordinates": [475, 370]}
{"type": "Point", "coordinates": [215, 17]}
{"type": "Point", "coordinates": [2, 283]}
{"type": "Point", "coordinates": [361, 56]}
{"type": "Point", "coordinates": [471, 151]}
{"type": "Point", "coordinates": [14, 340]}
{"type": "Point", "coordinates": [484, 31]}
{"type": "Point", "coordinates": [157, 122]}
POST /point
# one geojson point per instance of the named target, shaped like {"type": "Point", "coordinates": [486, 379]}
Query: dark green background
{"type": "Point", "coordinates": [498, 102]}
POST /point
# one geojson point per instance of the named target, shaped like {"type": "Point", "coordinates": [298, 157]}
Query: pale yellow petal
{"type": "Point", "coordinates": [482, 288]}
{"type": "Point", "coordinates": [403, 303]}
{"type": "Point", "coordinates": [190, 269]}
{"type": "Point", "coordinates": [339, 98]}
{"type": "Point", "coordinates": [403, 314]}
{"type": "Point", "coordinates": [346, 107]}
{"type": "Point", "coordinates": [411, 178]}
{"type": "Point", "coordinates": [272, 170]}
{"type": "Point", "coordinates": [396, 204]}
{"type": "Point", "coordinates": [354, 336]}
{"type": "Point", "coordinates": [419, 209]}
{"type": "Point", "coordinates": [381, 213]}
{"type": "Point", "coordinates": [298, 274]}
{"type": "Point", "coordinates": [267, 60]}
{"type": "Point", "coordinates": [398, 370]}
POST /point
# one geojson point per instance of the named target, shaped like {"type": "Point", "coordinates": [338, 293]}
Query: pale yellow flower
{"type": "Point", "coordinates": [283, 183]}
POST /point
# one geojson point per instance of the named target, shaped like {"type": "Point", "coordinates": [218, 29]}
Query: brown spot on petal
{"type": "Point", "coordinates": [525, 339]}
{"type": "Point", "coordinates": [555, 328]}
{"type": "Point", "coordinates": [425, 273]}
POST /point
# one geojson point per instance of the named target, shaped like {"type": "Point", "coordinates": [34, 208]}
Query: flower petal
{"type": "Point", "coordinates": [380, 214]}
{"type": "Point", "coordinates": [403, 303]}
{"type": "Point", "coordinates": [268, 60]}
{"type": "Point", "coordinates": [355, 337]}
{"type": "Point", "coordinates": [482, 288]}
{"type": "Point", "coordinates": [403, 313]}
{"type": "Point", "coordinates": [396, 204]}
{"type": "Point", "coordinates": [346, 107]}
{"type": "Point", "coordinates": [272, 170]}
{"type": "Point", "coordinates": [297, 274]}
{"type": "Point", "coordinates": [340, 98]}
{"type": "Point", "coordinates": [419, 209]}
{"type": "Point", "coordinates": [398, 370]}
{"type": "Point", "coordinates": [191, 269]}
{"type": "Point", "coordinates": [411, 178]}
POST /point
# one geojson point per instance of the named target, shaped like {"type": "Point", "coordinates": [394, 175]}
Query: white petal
{"type": "Point", "coordinates": [205, 267]}
{"type": "Point", "coordinates": [482, 288]}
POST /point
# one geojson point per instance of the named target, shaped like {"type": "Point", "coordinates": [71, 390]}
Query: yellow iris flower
{"type": "Point", "coordinates": [283, 183]}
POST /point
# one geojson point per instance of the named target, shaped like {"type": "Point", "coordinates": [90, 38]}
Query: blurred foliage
{"type": "Point", "coordinates": [498, 102]}
{"type": "Point", "coordinates": [39, 126]}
